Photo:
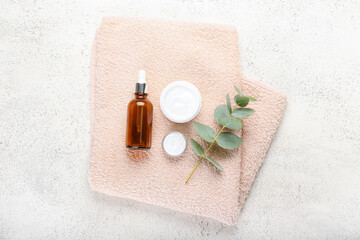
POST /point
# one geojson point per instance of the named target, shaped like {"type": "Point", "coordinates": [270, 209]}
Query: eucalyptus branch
{"type": "Point", "coordinates": [229, 118]}
{"type": "Point", "coordinates": [202, 157]}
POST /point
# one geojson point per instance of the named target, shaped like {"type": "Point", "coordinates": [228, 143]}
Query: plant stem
{"type": "Point", "coordinates": [202, 157]}
{"type": "Point", "coordinates": [204, 154]}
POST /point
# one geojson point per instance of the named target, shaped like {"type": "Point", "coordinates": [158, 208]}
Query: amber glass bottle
{"type": "Point", "coordinates": [139, 117]}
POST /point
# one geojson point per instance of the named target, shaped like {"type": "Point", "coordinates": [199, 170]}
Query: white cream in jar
{"type": "Point", "coordinates": [174, 144]}
{"type": "Point", "coordinates": [180, 101]}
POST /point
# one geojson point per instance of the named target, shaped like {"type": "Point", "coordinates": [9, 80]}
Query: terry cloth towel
{"type": "Point", "coordinates": [205, 55]}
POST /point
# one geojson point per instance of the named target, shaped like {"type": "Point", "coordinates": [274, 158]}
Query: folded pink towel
{"type": "Point", "coordinates": [205, 55]}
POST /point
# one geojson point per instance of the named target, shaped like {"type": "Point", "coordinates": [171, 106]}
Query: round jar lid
{"type": "Point", "coordinates": [180, 101]}
{"type": "Point", "coordinates": [174, 144]}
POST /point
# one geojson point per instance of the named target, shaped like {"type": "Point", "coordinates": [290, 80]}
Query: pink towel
{"type": "Point", "coordinates": [205, 55]}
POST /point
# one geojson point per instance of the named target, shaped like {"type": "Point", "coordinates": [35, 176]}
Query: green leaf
{"type": "Point", "coordinates": [242, 101]}
{"type": "Point", "coordinates": [221, 111]}
{"type": "Point", "coordinates": [197, 148]}
{"type": "Point", "coordinates": [231, 122]}
{"type": "Point", "coordinates": [238, 90]}
{"type": "Point", "coordinates": [228, 103]}
{"type": "Point", "coordinates": [242, 112]}
{"type": "Point", "coordinates": [251, 99]}
{"type": "Point", "coordinates": [228, 140]}
{"type": "Point", "coordinates": [215, 163]}
{"type": "Point", "coordinates": [205, 132]}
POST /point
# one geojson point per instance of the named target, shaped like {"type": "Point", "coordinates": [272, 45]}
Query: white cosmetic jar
{"type": "Point", "coordinates": [174, 144]}
{"type": "Point", "coordinates": [180, 101]}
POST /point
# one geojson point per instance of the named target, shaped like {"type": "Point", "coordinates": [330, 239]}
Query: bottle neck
{"type": "Point", "coordinates": [140, 95]}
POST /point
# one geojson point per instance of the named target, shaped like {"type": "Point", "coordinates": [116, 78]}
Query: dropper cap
{"type": "Point", "coordinates": [141, 83]}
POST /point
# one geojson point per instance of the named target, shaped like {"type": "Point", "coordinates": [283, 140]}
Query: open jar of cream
{"type": "Point", "coordinates": [180, 101]}
{"type": "Point", "coordinates": [174, 144]}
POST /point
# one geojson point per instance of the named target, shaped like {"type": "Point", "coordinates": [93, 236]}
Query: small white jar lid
{"type": "Point", "coordinates": [180, 101]}
{"type": "Point", "coordinates": [174, 144]}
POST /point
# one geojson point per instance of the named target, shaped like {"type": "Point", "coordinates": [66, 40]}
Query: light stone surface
{"type": "Point", "coordinates": [309, 185]}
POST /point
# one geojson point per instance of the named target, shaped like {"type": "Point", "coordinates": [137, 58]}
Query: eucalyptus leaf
{"type": "Point", "coordinates": [231, 122]}
{"type": "Point", "coordinates": [197, 148]}
{"type": "Point", "coordinates": [242, 112]}
{"type": "Point", "coordinates": [228, 140]}
{"type": "Point", "coordinates": [251, 99]}
{"type": "Point", "coordinates": [215, 163]}
{"type": "Point", "coordinates": [228, 103]}
{"type": "Point", "coordinates": [221, 111]}
{"type": "Point", "coordinates": [238, 90]}
{"type": "Point", "coordinates": [205, 132]}
{"type": "Point", "coordinates": [242, 101]}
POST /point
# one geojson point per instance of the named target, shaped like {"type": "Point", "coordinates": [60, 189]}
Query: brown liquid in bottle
{"type": "Point", "coordinates": [139, 122]}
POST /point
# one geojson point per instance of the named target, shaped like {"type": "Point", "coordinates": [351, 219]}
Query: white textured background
{"type": "Point", "coordinates": [309, 186]}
